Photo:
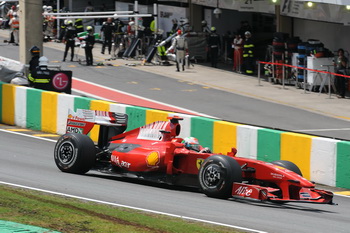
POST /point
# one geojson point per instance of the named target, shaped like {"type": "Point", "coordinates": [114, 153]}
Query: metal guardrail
{"type": "Point", "coordinates": [330, 84]}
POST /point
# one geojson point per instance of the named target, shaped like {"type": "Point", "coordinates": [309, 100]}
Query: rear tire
{"type": "Point", "coordinates": [217, 174]}
{"type": "Point", "coordinates": [288, 165]}
{"type": "Point", "coordinates": [75, 153]}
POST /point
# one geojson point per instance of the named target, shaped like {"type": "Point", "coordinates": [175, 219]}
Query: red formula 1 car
{"type": "Point", "coordinates": [154, 152]}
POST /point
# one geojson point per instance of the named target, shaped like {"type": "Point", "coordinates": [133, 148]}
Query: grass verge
{"type": "Point", "coordinates": [71, 215]}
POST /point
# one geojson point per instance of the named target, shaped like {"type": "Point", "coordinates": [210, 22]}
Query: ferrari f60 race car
{"type": "Point", "coordinates": [155, 152]}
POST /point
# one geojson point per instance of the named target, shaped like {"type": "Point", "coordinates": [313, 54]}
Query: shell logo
{"type": "Point", "coordinates": [153, 159]}
{"type": "Point", "coordinates": [70, 116]}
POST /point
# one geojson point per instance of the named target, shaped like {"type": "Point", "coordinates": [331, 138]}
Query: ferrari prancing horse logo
{"type": "Point", "coordinates": [199, 163]}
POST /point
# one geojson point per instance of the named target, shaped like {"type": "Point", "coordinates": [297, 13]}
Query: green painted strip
{"type": "Point", "coordinates": [82, 103]}
{"type": "Point", "coordinates": [269, 145]}
{"type": "Point", "coordinates": [34, 109]}
{"type": "Point", "coordinates": [10, 227]}
{"type": "Point", "coordinates": [137, 116]}
{"type": "Point", "coordinates": [343, 164]}
{"type": "Point", "coordinates": [203, 129]}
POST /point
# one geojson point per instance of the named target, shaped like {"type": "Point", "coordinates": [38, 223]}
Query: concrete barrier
{"type": "Point", "coordinates": [323, 166]}
{"type": "Point", "coordinates": [323, 160]}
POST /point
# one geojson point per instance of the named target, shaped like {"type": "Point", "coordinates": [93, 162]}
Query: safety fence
{"type": "Point", "coordinates": [328, 78]}
{"type": "Point", "coordinates": [323, 160]}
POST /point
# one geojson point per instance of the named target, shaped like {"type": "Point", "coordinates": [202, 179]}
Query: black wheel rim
{"type": "Point", "coordinates": [212, 176]}
{"type": "Point", "coordinates": [66, 153]}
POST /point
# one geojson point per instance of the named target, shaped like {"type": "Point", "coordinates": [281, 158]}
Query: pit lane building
{"type": "Point", "coordinates": [324, 20]}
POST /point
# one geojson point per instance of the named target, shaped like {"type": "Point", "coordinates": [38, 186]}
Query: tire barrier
{"type": "Point", "coordinates": [323, 160]}
{"type": "Point", "coordinates": [292, 44]}
{"type": "Point", "coordinates": [279, 47]}
{"type": "Point", "coordinates": [283, 48]}
{"type": "Point", "coordinates": [301, 60]}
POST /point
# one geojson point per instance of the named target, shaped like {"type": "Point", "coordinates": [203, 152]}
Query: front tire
{"type": "Point", "coordinates": [75, 153]}
{"type": "Point", "coordinates": [217, 174]}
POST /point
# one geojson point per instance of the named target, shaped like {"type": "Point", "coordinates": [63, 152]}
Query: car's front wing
{"type": "Point", "coordinates": [309, 195]}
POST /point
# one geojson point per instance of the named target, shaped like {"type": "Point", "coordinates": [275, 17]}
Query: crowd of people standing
{"type": "Point", "coordinates": [115, 31]}
{"type": "Point", "coordinates": [239, 47]}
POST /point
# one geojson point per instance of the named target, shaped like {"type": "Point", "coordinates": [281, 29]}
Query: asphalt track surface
{"type": "Point", "coordinates": [32, 164]}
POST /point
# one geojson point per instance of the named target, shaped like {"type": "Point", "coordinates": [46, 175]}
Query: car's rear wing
{"type": "Point", "coordinates": [83, 120]}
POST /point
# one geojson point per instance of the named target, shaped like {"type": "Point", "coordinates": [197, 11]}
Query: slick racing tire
{"type": "Point", "coordinates": [288, 165]}
{"type": "Point", "coordinates": [75, 153]}
{"type": "Point", "coordinates": [217, 174]}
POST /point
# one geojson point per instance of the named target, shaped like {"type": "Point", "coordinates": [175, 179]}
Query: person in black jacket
{"type": "Point", "coordinates": [248, 54]}
{"type": "Point", "coordinates": [214, 45]}
{"type": "Point", "coordinates": [62, 31]}
{"type": "Point", "coordinates": [118, 39]}
{"type": "Point", "coordinates": [33, 64]}
{"type": "Point", "coordinates": [341, 65]}
{"type": "Point", "coordinates": [108, 29]}
{"type": "Point", "coordinates": [78, 24]}
{"type": "Point", "coordinates": [90, 41]}
{"type": "Point", "coordinates": [69, 38]}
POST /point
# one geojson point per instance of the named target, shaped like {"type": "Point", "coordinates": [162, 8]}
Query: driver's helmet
{"type": "Point", "coordinates": [191, 143]}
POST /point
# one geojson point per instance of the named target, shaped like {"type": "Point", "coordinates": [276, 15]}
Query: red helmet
{"type": "Point", "coordinates": [179, 32]}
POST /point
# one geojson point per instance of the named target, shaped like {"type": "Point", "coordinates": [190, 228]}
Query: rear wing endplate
{"type": "Point", "coordinates": [83, 120]}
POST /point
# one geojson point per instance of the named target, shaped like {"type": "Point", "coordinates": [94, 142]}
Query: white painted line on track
{"type": "Point", "coordinates": [320, 130]}
{"type": "Point", "coordinates": [132, 95]}
{"type": "Point", "coordinates": [27, 135]}
{"type": "Point", "coordinates": [9, 59]}
{"type": "Point", "coordinates": [123, 92]}
{"type": "Point", "coordinates": [131, 207]}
